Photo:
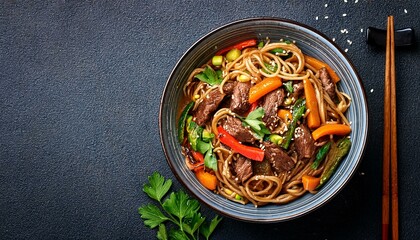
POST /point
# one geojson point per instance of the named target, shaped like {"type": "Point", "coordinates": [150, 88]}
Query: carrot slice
{"type": "Point", "coordinates": [309, 182]}
{"type": "Point", "coordinates": [285, 115]}
{"type": "Point", "coordinates": [262, 88]}
{"type": "Point", "coordinates": [208, 180]}
{"type": "Point", "coordinates": [328, 129]}
{"type": "Point", "coordinates": [318, 64]}
{"type": "Point", "coordinates": [313, 118]}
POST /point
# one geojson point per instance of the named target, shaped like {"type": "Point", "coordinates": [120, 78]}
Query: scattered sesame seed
{"type": "Point", "coordinates": [326, 17]}
{"type": "Point", "coordinates": [345, 1]}
{"type": "Point", "coordinates": [316, 18]}
{"type": "Point", "coordinates": [346, 50]}
{"type": "Point", "coordinates": [349, 42]}
{"type": "Point", "coordinates": [333, 39]}
{"type": "Point", "coordinates": [371, 90]}
{"type": "Point", "coordinates": [344, 14]}
{"type": "Point", "coordinates": [326, 5]}
{"type": "Point", "coordinates": [356, 1]}
{"type": "Point", "coordinates": [405, 11]}
{"type": "Point", "coordinates": [361, 30]}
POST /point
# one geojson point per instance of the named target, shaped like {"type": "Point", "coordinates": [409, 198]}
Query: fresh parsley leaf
{"type": "Point", "coordinates": [207, 230]}
{"type": "Point", "coordinates": [157, 187]}
{"type": "Point", "coordinates": [254, 121]}
{"type": "Point", "coordinates": [289, 86]}
{"type": "Point", "coordinates": [192, 225]}
{"type": "Point", "coordinates": [162, 234]}
{"type": "Point", "coordinates": [210, 76]}
{"type": "Point", "coordinates": [177, 234]}
{"type": "Point", "coordinates": [180, 205]}
{"type": "Point", "coordinates": [152, 215]}
{"type": "Point", "coordinates": [210, 160]}
{"type": "Point", "coordinates": [179, 209]}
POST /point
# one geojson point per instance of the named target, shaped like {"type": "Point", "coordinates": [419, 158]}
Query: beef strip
{"type": "Point", "coordinates": [327, 83]}
{"type": "Point", "coordinates": [278, 158]}
{"type": "Point", "coordinates": [239, 103]}
{"type": "Point", "coordinates": [208, 106]}
{"type": "Point", "coordinates": [271, 103]}
{"type": "Point", "coordinates": [228, 87]}
{"type": "Point", "coordinates": [242, 167]}
{"type": "Point", "coordinates": [297, 90]}
{"type": "Point", "coordinates": [235, 128]}
{"type": "Point", "coordinates": [304, 143]}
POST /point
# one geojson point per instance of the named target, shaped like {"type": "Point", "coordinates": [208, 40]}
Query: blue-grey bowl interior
{"type": "Point", "coordinates": [313, 43]}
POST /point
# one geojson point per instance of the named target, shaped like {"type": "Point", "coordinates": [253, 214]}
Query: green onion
{"type": "Point", "coordinates": [217, 60]}
{"type": "Point", "coordinates": [233, 54]}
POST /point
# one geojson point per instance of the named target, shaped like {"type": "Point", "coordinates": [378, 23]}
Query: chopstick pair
{"type": "Point", "coordinates": [390, 170]}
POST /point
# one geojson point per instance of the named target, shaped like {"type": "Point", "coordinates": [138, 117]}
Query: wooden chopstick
{"type": "Point", "coordinates": [394, 168]}
{"type": "Point", "coordinates": [390, 140]}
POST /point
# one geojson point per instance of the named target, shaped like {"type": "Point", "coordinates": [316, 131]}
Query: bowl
{"type": "Point", "coordinates": [312, 42]}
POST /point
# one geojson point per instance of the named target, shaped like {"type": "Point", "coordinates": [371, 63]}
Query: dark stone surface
{"type": "Point", "coordinates": [80, 85]}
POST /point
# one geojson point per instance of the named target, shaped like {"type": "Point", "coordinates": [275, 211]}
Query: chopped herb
{"type": "Point", "coordinates": [210, 76]}
{"type": "Point", "coordinates": [178, 208]}
{"type": "Point", "coordinates": [254, 121]}
{"type": "Point", "coordinates": [289, 86]}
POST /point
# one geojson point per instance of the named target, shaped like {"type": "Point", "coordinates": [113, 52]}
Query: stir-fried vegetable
{"type": "Point", "coordinates": [239, 46]}
{"type": "Point", "coordinates": [320, 156]}
{"type": "Point", "coordinates": [182, 120]}
{"type": "Point", "coordinates": [262, 88]}
{"type": "Point", "coordinates": [313, 120]}
{"type": "Point", "coordinates": [285, 115]}
{"type": "Point", "coordinates": [233, 54]}
{"type": "Point", "coordinates": [331, 129]}
{"type": "Point", "coordinates": [200, 140]}
{"type": "Point", "coordinates": [210, 76]}
{"type": "Point", "coordinates": [318, 64]}
{"type": "Point", "coordinates": [337, 153]}
{"type": "Point", "coordinates": [298, 111]}
{"type": "Point", "coordinates": [253, 153]}
{"type": "Point", "coordinates": [309, 182]}
{"type": "Point", "coordinates": [217, 60]}
{"type": "Point", "coordinates": [254, 121]}
{"type": "Point", "coordinates": [207, 179]}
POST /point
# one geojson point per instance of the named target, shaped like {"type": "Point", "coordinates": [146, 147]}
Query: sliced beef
{"type": "Point", "coordinates": [278, 158]}
{"type": "Point", "coordinates": [242, 167]}
{"type": "Point", "coordinates": [327, 83]}
{"type": "Point", "coordinates": [228, 87]}
{"type": "Point", "coordinates": [271, 103]}
{"type": "Point", "coordinates": [235, 128]}
{"type": "Point", "coordinates": [297, 90]}
{"type": "Point", "coordinates": [208, 106]}
{"type": "Point", "coordinates": [262, 168]}
{"type": "Point", "coordinates": [239, 103]}
{"type": "Point", "coordinates": [304, 143]}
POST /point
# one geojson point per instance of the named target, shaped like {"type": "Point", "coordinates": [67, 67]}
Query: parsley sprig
{"type": "Point", "coordinates": [178, 209]}
{"type": "Point", "coordinates": [254, 121]}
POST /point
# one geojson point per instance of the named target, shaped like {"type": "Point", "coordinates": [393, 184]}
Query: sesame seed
{"type": "Point", "coordinates": [326, 5]}
{"type": "Point", "coordinates": [333, 39]}
{"type": "Point", "coordinates": [344, 14]}
{"type": "Point", "coordinates": [346, 50]}
{"type": "Point", "coordinates": [361, 30]}
{"type": "Point", "coordinates": [371, 90]}
{"type": "Point", "coordinates": [345, 1]}
{"type": "Point", "coordinates": [316, 18]}
{"type": "Point", "coordinates": [356, 1]}
{"type": "Point", "coordinates": [349, 42]}
{"type": "Point", "coordinates": [326, 17]}
{"type": "Point", "coordinates": [405, 11]}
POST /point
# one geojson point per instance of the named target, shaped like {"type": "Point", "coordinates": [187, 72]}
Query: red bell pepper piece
{"type": "Point", "coordinates": [195, 160]}
{"type": "Point", "coordinates": [253, 153]}
{"type": "Point", "coordinates": [240, 46]}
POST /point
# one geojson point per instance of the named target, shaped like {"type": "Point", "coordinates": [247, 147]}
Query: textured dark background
{"type": "Point", "coordinates": [80, 85]}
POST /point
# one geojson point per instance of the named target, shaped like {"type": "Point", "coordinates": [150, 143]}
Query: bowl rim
{"type": "Point", "coordinates": [345, 59]}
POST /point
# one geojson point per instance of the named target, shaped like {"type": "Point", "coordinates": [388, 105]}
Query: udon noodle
{"type": "Point", "coordinates": [253, 65]}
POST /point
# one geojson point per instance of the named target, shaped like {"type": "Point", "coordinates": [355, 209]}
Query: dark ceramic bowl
{"type": "Point", "coordinates": [313, 43]}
